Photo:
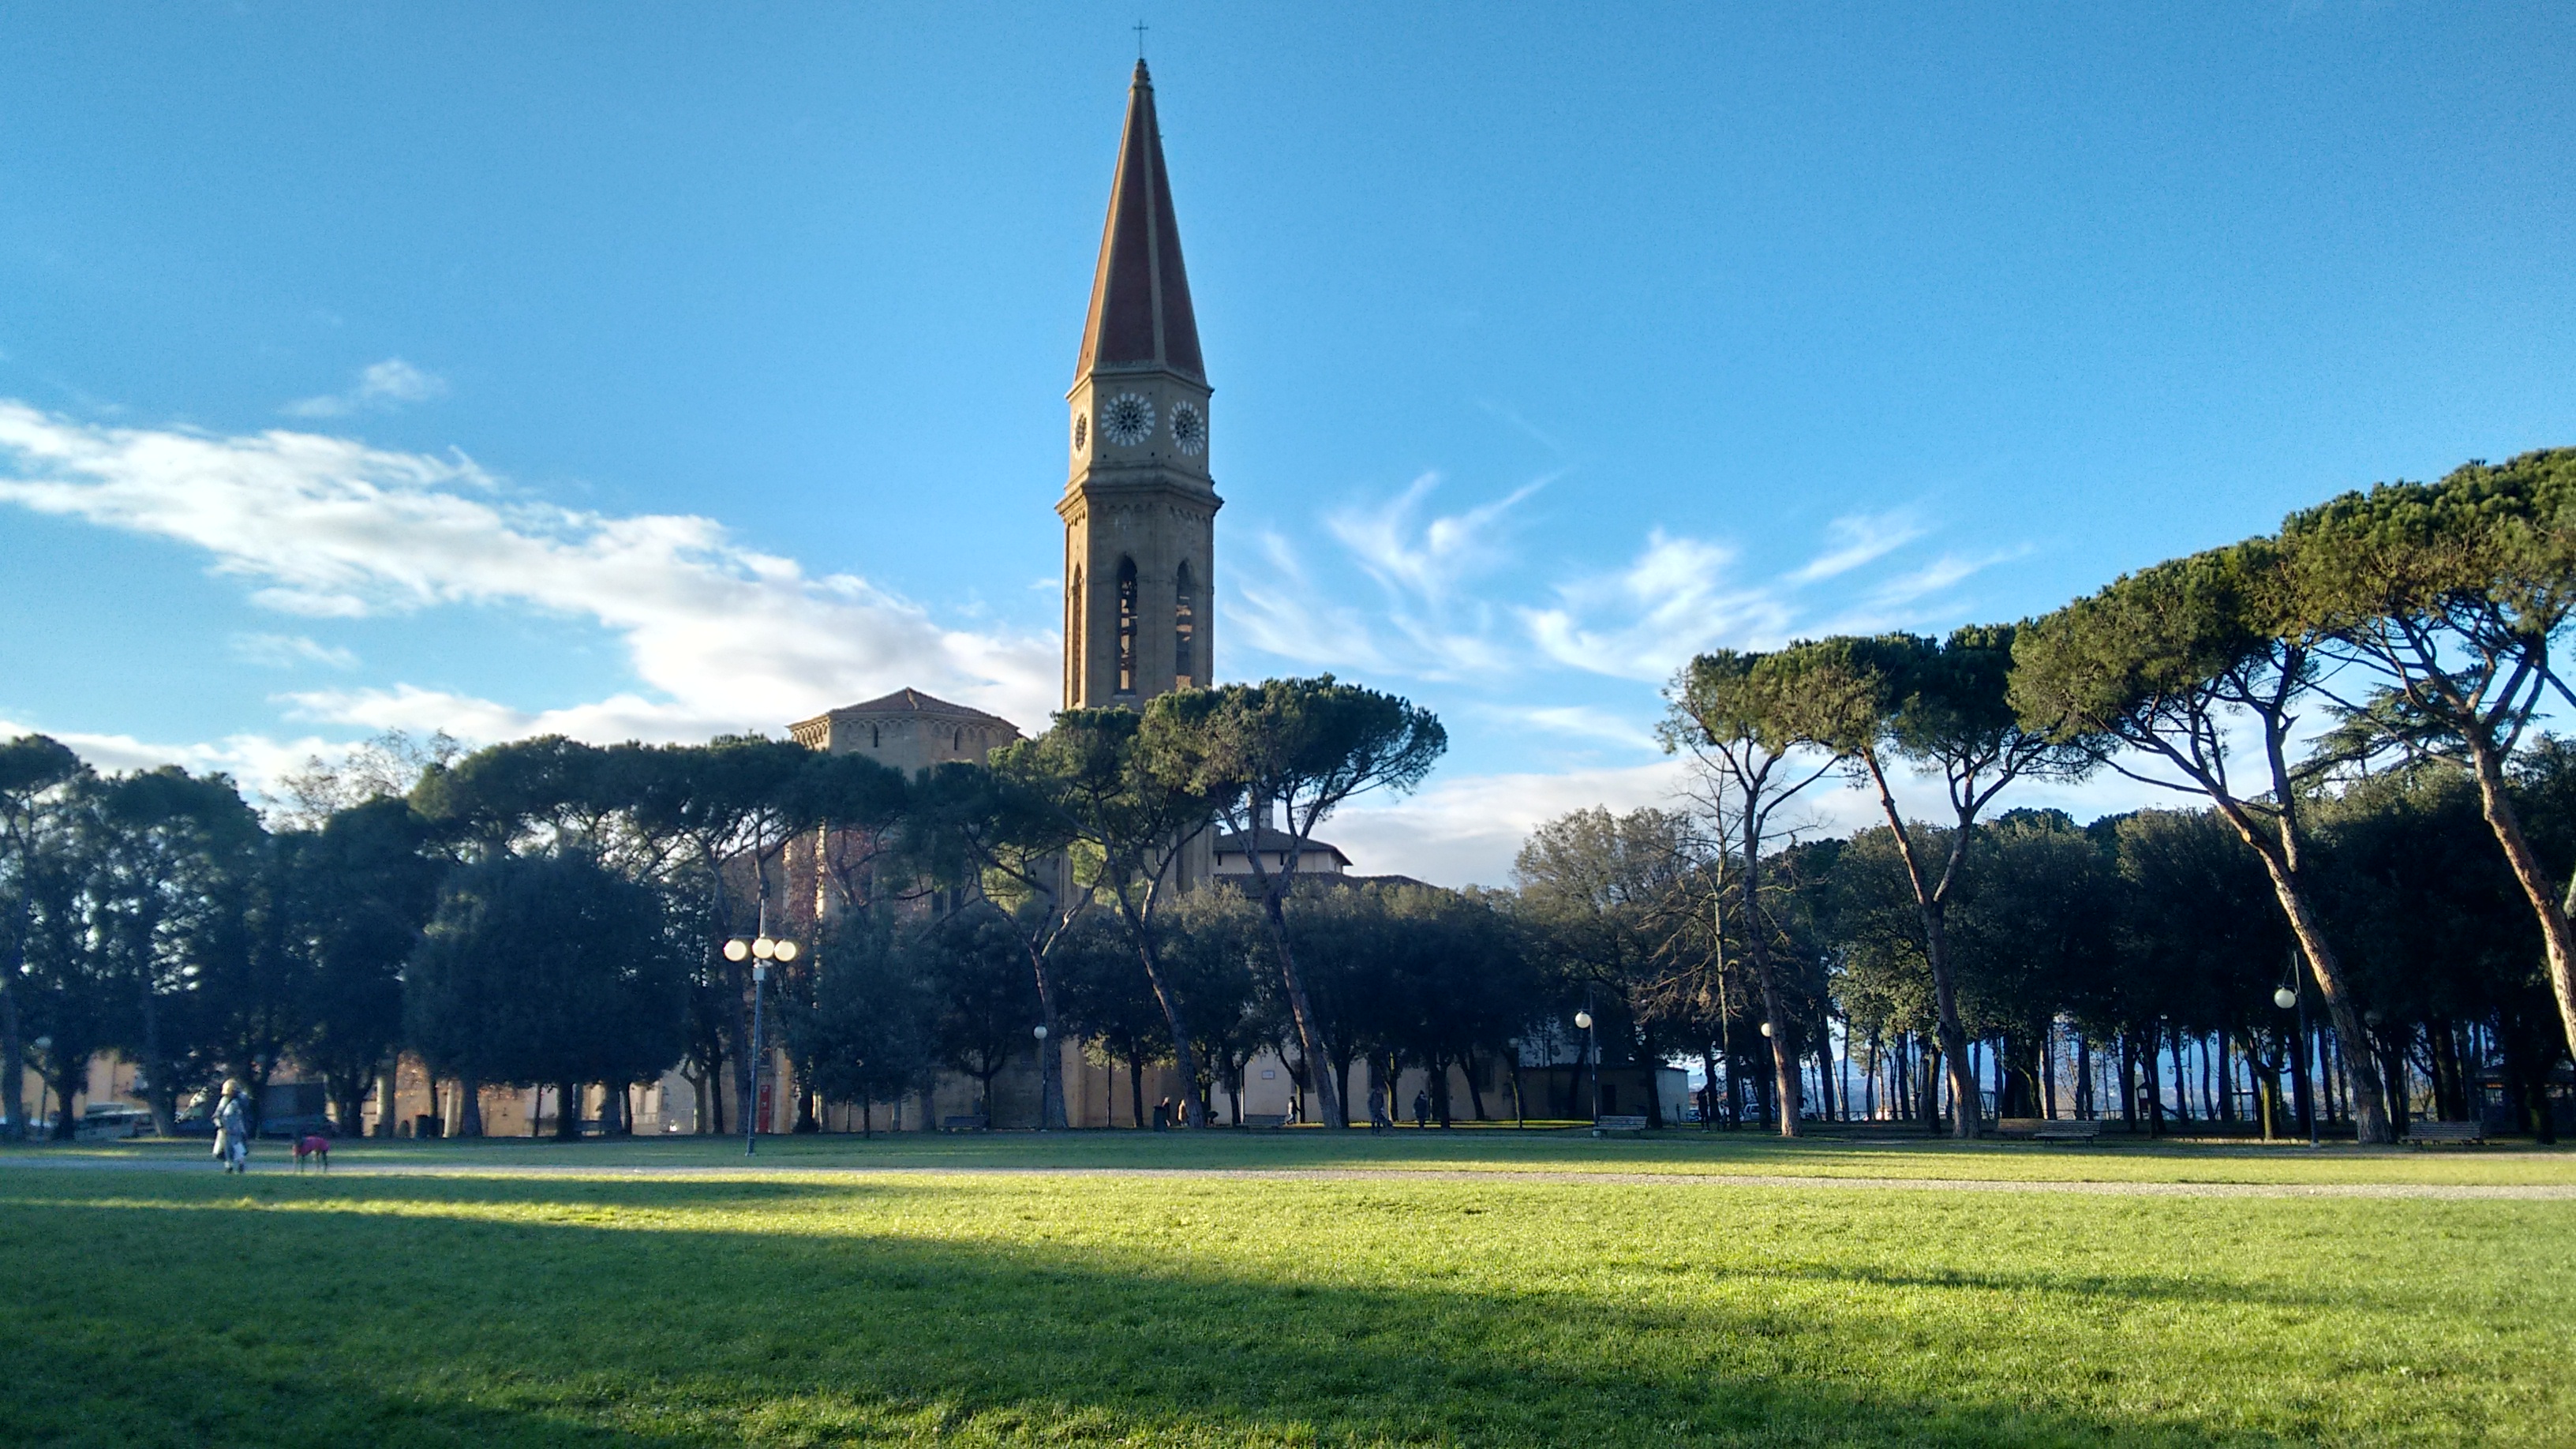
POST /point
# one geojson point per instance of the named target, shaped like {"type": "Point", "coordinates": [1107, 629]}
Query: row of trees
{"type": "Point", "coordinates": [2412, 623]}
{"type": "Point", "coordinates": [2086, 961]}
{"type": "Point", "coordinates": [2341, 700]}
{"type": "Point", "coordinates": [551, 913]}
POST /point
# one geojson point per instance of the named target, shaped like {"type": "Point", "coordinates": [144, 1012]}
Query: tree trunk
{"type": "Point", "coordinates": [388, 1098]}
{"type": "Point", "coordinates": [67, 1084]}
{"type": "Point", "coordinates": [2370, 1120]}
{"type": "Point", "coordinates": [1185, 1061]}
{"type": "Point", "coordinates": [2182, 1085]}
{"type": "Point", "coordinates": [1825, 1095]}
{"type": "Point", "coordinates": [1136, 1086]}
{"type": "Point", "coordinates": [1784, 1050]}
{"type": "Point", "coordinates": [2557, 937]}
{"type": "Point", "coordinates": [13, 1064]}
{"type": "Point", "coordinates": [1340, 1067]}
{"type": "Point", "coordinates": [469, 1107]}
{"type": "Point", "coordinates": [161, 1094]}
{"type": "Point", "coordinates": [1051, 1116]}
{"type": "Point", "coordinates": [1310, 1035]}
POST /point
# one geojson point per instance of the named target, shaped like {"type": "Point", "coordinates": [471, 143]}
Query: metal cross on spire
{"type": "Point", "coordinates": [1140, 40]}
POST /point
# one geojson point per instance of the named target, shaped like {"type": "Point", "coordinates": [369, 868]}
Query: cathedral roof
{"type": "Point", "coordinates": [1140, 296]}
{"type": "Point", "coordinates": [909, 704]}
{"type": "Point", "coordinates": [1274, 839]}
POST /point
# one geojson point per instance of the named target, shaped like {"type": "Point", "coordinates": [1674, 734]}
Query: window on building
{"type": "Point", "coordinates": [1126, 626]}
{"type": "Point", "coordinates": [1185, 628]}
{"type": "Point", "coordinates": [1074, 615]}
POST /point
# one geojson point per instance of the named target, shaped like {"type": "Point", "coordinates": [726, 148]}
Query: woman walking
{"type": "Point", "coordinates": [232, 1129]}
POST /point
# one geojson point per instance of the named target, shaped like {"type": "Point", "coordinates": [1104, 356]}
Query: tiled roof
{"type": "Point", "coordinates": [909, 704]}
{"type": "Point", "coordinates": [1274, 840]}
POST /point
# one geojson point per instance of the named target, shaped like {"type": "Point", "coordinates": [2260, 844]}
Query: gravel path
{"type": "Point", "coordinates": [2526, 1192]}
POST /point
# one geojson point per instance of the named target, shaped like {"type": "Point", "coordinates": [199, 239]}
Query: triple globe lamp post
{"type": "Point", "coordinates": [760, 950]}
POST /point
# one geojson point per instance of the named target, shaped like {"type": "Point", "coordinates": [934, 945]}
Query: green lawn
{"type": "Point", "coordinates": [1856, 1153]}
{"type": "Point", "coordinates": [483, 1307]}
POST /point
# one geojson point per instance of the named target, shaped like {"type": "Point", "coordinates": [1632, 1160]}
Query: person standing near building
{"type": "Point", "coordinates": [232, 1129]}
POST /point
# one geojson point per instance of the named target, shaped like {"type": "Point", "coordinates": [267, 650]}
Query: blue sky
{"type": "Point", "coordinates": [652, 371]}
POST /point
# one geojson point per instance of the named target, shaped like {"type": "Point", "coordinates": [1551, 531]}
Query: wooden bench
{"type": "Point", "coordinates": [2427, 1133]}
{"type": "Point", "coordinates": [2048, 1129]}
{"type": "Point", "coordinates": [1265, 1119]}
{"type": "Point", "coordinates": [1621, 1123]}
{"type": "Point", "coordinates": [970, 1122]}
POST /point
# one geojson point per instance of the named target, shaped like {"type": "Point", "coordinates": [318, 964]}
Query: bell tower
{"type": "Point", "coordinates": [1139, 506]}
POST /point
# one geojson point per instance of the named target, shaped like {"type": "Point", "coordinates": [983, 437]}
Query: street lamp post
{"type": "Point", "coordinates": [1040, 1033]}
{"type": "Point", "coordinates": [1592, 1049]}
{"type": "Point", "coordinates": [1757, 1082]}
{"type": "Point", "coordinates": [2291, 996]}
{"type": "Point", "coordinates": [764, 949]}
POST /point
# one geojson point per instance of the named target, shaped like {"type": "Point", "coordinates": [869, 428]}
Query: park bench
{"type": "Point", "coordinates": [2425, 1133]}
{"type": "Point", "coordinates": [2048, 1129]}
{"type": "Point", "coordinates": [1621, 1123]}
{"type": "Point", "coordinates": [967, 1122]}
{"type": "Point", "coordinates": [1265, 1119]}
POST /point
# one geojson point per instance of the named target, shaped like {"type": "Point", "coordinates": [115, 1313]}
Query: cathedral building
{"type": "Point", "coordinates": [1139, 506]}
{"type": "Point", "coordinates": [1139, 515]}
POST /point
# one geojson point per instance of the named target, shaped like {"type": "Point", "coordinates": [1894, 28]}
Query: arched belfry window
{"type": "Point", "coordinates": [1076, 614]}
{"type": "Point", "coordinates": [1185, 629]}
{"type": "Point", "coordinates": [1126, 626]}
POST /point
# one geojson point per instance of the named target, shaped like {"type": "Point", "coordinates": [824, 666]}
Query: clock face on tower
{"type": "Point", "coordinates": [1189, 430]}
{"type": "Point", "coordinates": [1127, 420]}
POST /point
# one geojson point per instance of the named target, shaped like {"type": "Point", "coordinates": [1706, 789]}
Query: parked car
{"type": "Point", "coordinates": [108, 1122]}
{"type": "Point", "coordinates": [298, 1125]}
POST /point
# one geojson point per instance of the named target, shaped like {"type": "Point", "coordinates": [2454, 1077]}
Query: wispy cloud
{"type": "Point", "coordinates": [719, 637]}
{"type": "Point", "coordinates": [1673, 600]}
{"type": "Point", "coordinates": [1857, 539]}
{"type": "Point", "coordinates": [384, 385]}
{"type": "Point", "coordinates": [1275, 606]}
{"type": "Point", "coordinates": [1584, 722]}
{"type": "Point", "coordinates": [1425, 558]}
{"type": "Point", "coordinates": [1465, 829]}
{"type": "Point", "coordinates": [253, 760]}
{"type": "Point", "coordinates": [286, 651]}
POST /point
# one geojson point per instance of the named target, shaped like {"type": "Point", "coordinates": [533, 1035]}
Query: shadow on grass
{"type": "Point", "coordinates": [234, 1323]}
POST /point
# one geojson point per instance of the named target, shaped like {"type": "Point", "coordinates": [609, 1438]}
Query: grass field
{"type": "Point", "coordinates": [503, 1294]}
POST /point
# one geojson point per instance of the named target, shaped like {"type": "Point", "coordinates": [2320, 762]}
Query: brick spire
{"type": "Point", "coordinates": [1140, 296]}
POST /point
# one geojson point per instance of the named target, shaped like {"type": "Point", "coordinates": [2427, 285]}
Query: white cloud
{"type": "Point", "coordinates": [254, 761]}
{"type": "Point", "coordinates": [1275, 606]}
{"type": "Point", "coordinates": [1672, 601]}
{"type": "Point", "coordinates": [381, 386]}
{"type": "Point", "coordinates": [286, 651]}
{"type": "Point", "coordinates": [1858, 539]}
{"type": "Point", "coordinates": [1465, 829]}
{"type": "Point", "coordinates": [1424, 558]}
{"type": "Point", "coordinates": [1584, 722]}
{"type": "Point", "coordinates": [721, 637]}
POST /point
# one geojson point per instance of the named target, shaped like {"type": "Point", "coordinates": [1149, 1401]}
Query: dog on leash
{"type": "Point", "coordinates": [313, 1145]}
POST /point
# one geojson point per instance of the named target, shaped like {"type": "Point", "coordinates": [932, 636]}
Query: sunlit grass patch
{"type": "Point", "coordinates": [1496, 1148]}
{"type": "Point", "coordinates": [810, 1309]}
